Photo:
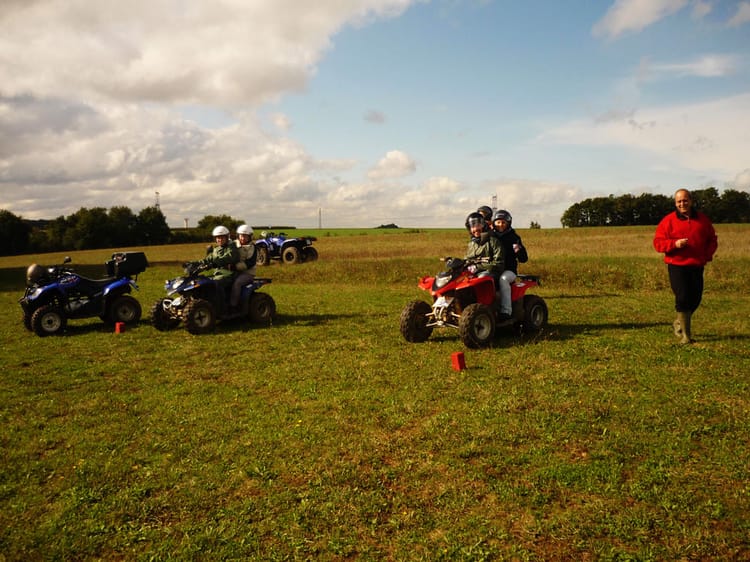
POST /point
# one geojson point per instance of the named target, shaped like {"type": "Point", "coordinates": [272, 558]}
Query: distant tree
{"type": "Point", "coordinates": [151, 227]}
{"type": "Point", "coordinates": [122, 226]}
{"type": "Point", "coordinates": [735, 206]}
{"type": "Point", "coordinates": [14, 234]}
{"type": "Point", "coordinates": [535, 225]}
{"type": "Point", "coordinates": [708, 201]}
{"type": "Point", "coordinates": [208, 223]}
{"type": "Point", "coordinates": [87, 229]}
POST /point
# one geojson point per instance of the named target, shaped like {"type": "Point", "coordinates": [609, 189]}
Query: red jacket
{"type": "Point", "coordinates": [699, 231]}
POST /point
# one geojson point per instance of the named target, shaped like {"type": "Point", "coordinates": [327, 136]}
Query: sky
{"type": "Point", "coordinates": [358, 113]}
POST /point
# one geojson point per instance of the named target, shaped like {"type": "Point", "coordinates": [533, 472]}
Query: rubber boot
{"type": "Point", "coordinates": [684, 318]}
{"type": "Point", "coordinates": [677, 327]}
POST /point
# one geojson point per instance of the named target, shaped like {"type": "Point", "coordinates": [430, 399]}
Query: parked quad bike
{"type": "Point", "coordinates": [288, 251]}
{"type": "Point", "coordinates": [467, 302]}
{"type": "Point", "coordinates": [55, 294]}
{"type": "Point", "coordinates": [199, 301]}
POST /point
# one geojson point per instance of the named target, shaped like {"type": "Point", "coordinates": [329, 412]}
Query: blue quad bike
{"type": "Point", "coordinates": [271, 246]}
{"type": "Point", "coordinates": [199, 301]}
{"type": "Point", "coordinates": [55, 294]}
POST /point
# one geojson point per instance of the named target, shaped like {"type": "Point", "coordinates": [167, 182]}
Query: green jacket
{"type": "Point", "coordinates": [221, 257]}
{"type": "Point", "coordinates": [487, 247]}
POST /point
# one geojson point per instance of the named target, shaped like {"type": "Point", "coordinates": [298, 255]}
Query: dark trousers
{"type": "Point", "coordinates": [687, 286]}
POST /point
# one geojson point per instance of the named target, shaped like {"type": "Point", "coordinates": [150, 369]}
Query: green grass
{"type": "Point", "coordinates": [328, 436]}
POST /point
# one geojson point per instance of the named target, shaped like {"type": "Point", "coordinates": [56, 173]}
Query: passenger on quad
{"type": "Point", "coordinates": [483, 247]}
{"type": "Point", "coordinates": [223, 256]}
{"type": "Point", "coordinates": [245, 267]}
{"type": "Point", "coordinates": [513, 252]}
{"type": "Point", "coordinates": [486, 212]}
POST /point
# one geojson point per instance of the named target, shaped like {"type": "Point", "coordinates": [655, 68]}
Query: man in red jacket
{"type": "Point", "coordinates": [688, 241]}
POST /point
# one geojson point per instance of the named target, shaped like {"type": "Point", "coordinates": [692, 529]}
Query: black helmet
{"type": "Point", "coordinates": [502, 214]}
{"type": "Point", "coordinates": [475, 218]}
{"type": "Point", "coordinates": [34, 273]}
{"type": "Point", "coordinates": [486, 212]}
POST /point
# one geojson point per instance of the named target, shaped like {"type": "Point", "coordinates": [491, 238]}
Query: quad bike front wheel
{"type": "Point", "coordinates": [200, 317]}
{"type": "Point", "coordinates": [413, 323]}
{"type": "Point", "coordinates": [48, 320]}
{"type": "Point", "coordinates": [125, 309]}
{"type": "Point", "coordinates": [262, 256]}
{"type": "Point", "coordinates": [261, 308]}
{"type": "Point", "coordinates": [477, 326]}
{"type": "Point", "coordinates": [161, 319]}
{"type": "Point", "coordinates": [290, 255]}
{"type": "Point", "coordinates": [27, 321]}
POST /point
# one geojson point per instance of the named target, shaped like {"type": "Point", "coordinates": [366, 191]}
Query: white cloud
{"type": "Point", "coordinates": [741, 181]}
{"type": "Point", "coordinates": [375, 116]}
{"type": "Point", "coordinates": [741, 16]}
{"type": "Point", "coordinates": [706, 66]}
{"type": "Point", "coordinates": [395, 164]}
{"type": "Point", "coordinates": [191, 52]}
{"type": "Point", "coordinates": [632, 16]}
{"type": "Point", "coordinates": [701, 9]}
{"type": "Point", "coordinates": [703, 136]}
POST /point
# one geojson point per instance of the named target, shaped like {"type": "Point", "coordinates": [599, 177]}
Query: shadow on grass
{"type": "Point", "coordinates": [310, 319]}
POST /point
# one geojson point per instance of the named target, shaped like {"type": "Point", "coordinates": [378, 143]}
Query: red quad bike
{"type": "Point", "coordinates": [467, 301]}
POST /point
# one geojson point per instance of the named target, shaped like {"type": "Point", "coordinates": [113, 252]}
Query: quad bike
{"type": "Point", "coordinates": [467, 302]}
{"type": "Point", "coordinates": [199, 301]}
{"type": "Point", "coordinates": [289, 251]}
{"type": "Point", "coordinates": [57, 293]}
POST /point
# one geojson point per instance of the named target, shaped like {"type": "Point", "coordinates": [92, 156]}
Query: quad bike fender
{"type": "Point", "coordinates": [122, 285]}
{"type": "Point", "coordinates": [519, 288]}
{"type": "Point", "coordinates": [483, 287]}
{"type": "Point", "coordinates": [42, 296]}
{"type": "Point", "coordinates": [289, 242]}
{"type": "Point", "coordinates": [426, 283]}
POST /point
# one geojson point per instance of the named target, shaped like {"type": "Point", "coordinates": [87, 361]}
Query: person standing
{"type": "Point", "coordinates": [688, 241]}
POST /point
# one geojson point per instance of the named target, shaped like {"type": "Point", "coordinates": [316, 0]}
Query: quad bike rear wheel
{"type": "Point", "coordinates": [535, 314]}
{"type": "Point", "coordinates": [48, 320]}
{"type": "Point", "coordinates": [413, 323]}
{"type": "Point", "coordinates": [262, 256]}
{"type": "Point", "coordinates": [125, 309]}
{"type": "Point", "coordinates": [261, 308]}
{"type": "Point", "coordinates": [200, 317]}
{"type": "Point", "coordinates": [161, 319]}
{"type": "Point", "coordinates": [310, 254]}
{"type": "Point", "coordinates": [290, 255]}
{"type": "Point", "coordinates": [477, 326]}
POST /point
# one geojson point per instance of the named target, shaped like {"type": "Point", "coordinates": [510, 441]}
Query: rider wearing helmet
{"type": "Point", "coordinates": [513, 252]}
{"type": "Point", "coordinates": [246, 265]}
{"type": "Point", "coordinates": [222, 256]}
{"type": "Point", "coordinates": [486, 212]}
{"type": "Point", "coordinates": [483, 247]}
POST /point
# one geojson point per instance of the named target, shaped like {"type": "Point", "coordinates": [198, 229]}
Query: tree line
{"type": "Point", "coordinates": [731, 206]}
{"type": "Point", "coordinates": [90, 229]}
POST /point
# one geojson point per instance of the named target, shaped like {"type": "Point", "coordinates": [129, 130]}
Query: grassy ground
{"type": "Point", "coordinates": [328, 436]}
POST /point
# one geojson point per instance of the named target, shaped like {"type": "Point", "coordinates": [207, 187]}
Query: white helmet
{"type": "Point", "coordinates": [245, 229]}
{"type": "Point", "coordinates": [220, 231]}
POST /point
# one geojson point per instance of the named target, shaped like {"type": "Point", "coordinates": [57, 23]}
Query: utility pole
{"type": "Point", "coordinates": [158, 207]}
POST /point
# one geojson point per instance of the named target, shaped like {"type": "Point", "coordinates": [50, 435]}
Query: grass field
{"type": "Point", "coordinates": [327, 436]}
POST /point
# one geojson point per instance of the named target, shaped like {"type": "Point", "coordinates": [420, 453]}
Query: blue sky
{"type": "Point", "coordinates": [369, 112]}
